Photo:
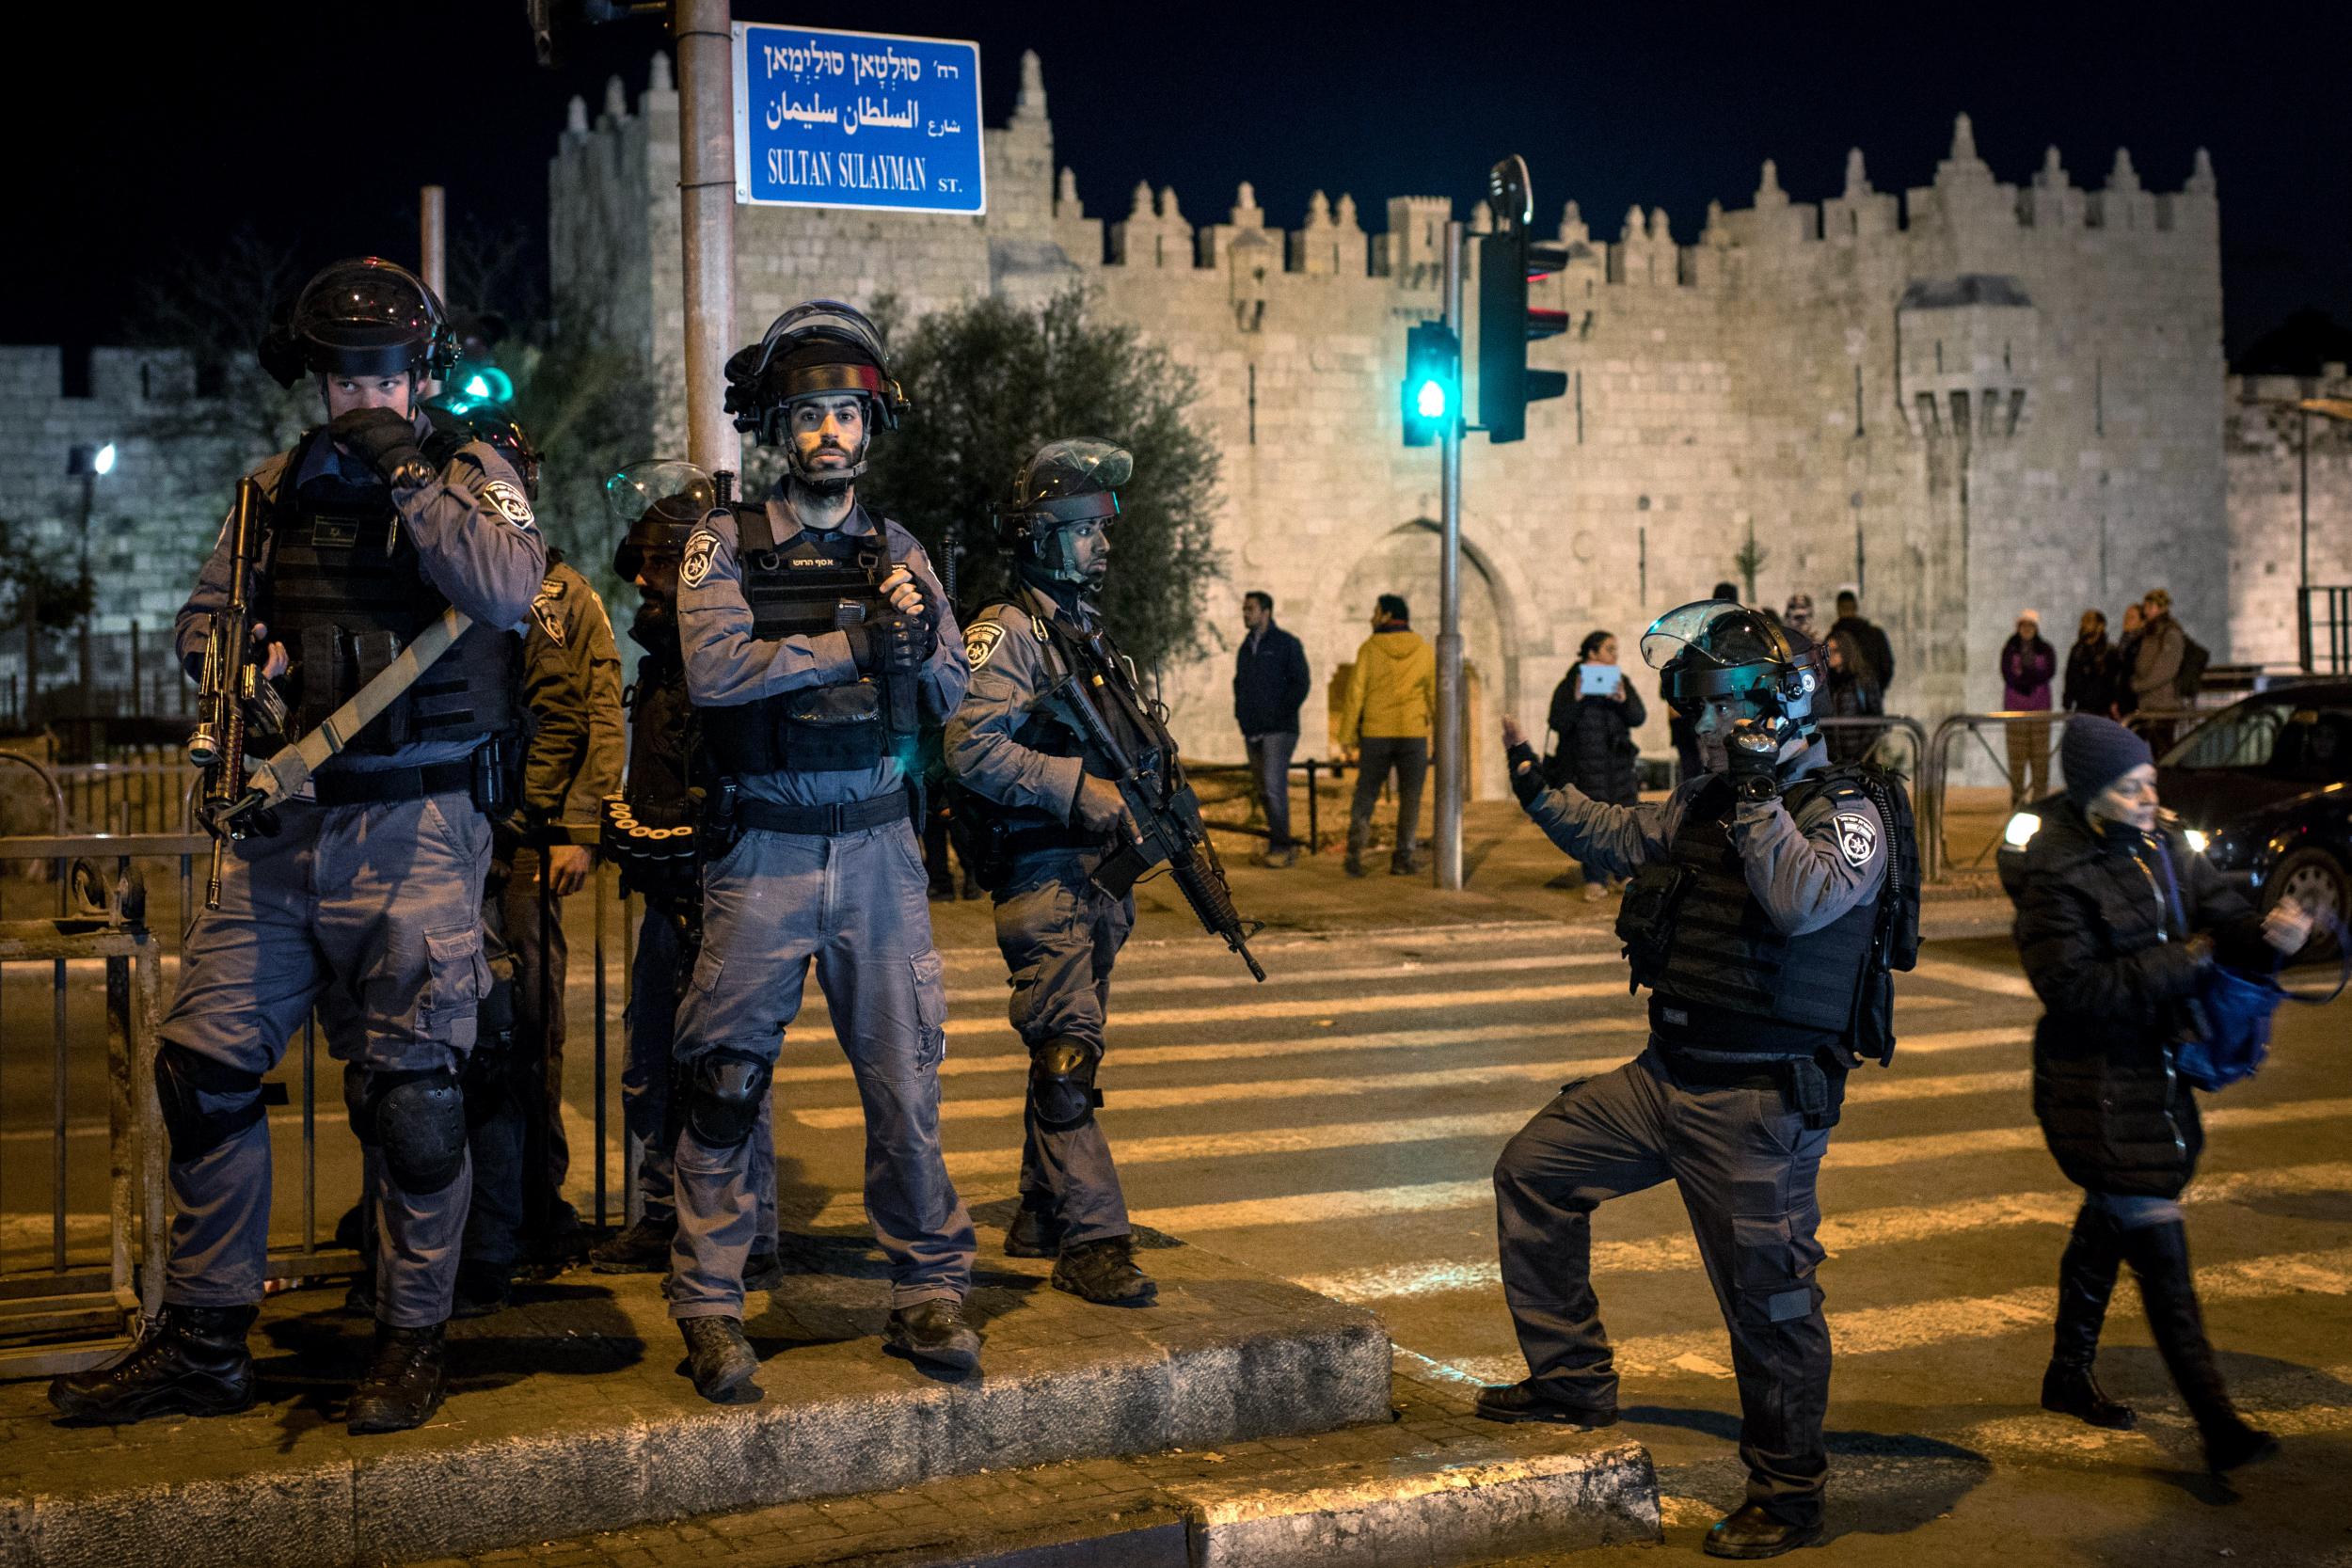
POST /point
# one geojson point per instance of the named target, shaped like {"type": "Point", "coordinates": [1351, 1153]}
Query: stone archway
{"type": "Point", "coordinates": [1405, 561]}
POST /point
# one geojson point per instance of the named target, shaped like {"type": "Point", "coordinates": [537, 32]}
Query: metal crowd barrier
{"type": "Point", "coordinates": [74, 1283]}
{"type": "Point", "coordinates": [1312, 766]}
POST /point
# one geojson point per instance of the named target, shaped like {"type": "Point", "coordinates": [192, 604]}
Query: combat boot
{"type": "Point", "coordinates": [2158, 1254]}
{"type": "Point", "coordinates": [721, 1360]}
{"type": "Point", "coordinates": [1104, 1272]}
{"type": "Point", "coordinates": [1033, 1233]}
{"type": "Point", "coordinates": [933, 1331]}
{"type": "Point", "coordinates": [763, 1270]}
{"type": "Point", "coordinates": [192, 1361]}
{"type": "Point", "coordinates": [642, 1248]}
{"type": "Point", "coordinates": [1535, 1399]}
{"type": "Point", "coordinates": [404, 1382]}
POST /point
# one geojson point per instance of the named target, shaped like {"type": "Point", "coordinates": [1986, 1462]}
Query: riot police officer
{"type": "Point", "coordinates": [649, 833]}
{"type": "Point", "coordinates": [1045, 817]}
{"type": "Point", "coordinates": [366, 900]}
{"type": "Point", "coordinates": [1757, 920]}
{"type": "Point", "coordinates": [816, 642]}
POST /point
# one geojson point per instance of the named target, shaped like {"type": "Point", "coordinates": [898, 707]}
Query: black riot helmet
{"type": "Point", "coordinates": [362, 317]}
{"type": "Point", "coordinates": [819, 349]}
{"type": "Point", "coordinates": [657, 504]}
{"type": "Point", "coordinates": [1715, 650]}
{"type": "Point", "coordinates": [1071, 481]}
{"type": "Point", "coordinates": [492, 426]}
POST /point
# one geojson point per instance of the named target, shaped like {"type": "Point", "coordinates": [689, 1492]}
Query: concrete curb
{"type": "Point", "coordinates": [1431, 1518]}
{"type": "Point", "coordinates": [1205, 1386]}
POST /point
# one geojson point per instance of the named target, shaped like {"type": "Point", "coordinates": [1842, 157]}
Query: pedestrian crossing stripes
{"type": "Point", "coordinates": [1912, 1325]}
{"type": "Point", "coordinates": [1838, 1233]}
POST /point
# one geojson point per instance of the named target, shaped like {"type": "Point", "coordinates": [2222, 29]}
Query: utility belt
{"type": "Point", "coordinates": [846, 816]}
{"type": "Point", "coordinates": [1814, 1086]}
{"type": "Point", "coordinates": [999, 839]}
{"type": "Point", "coordinates": [481, 776]}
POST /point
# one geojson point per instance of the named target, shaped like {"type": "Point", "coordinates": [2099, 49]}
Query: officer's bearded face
{"type": "Point", "coordinates": [830, 433]}
{"type": "Point", "coordinates": [346, 393]}
{"type": "Point", "coordinates": [1090, 548]}
{"type": "Point", "coordinates": [656, 577]}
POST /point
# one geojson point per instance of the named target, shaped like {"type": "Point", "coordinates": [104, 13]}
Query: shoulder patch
{"type": "Point", "coordinates": [548, 611]}
{"type": "Point", "coordinates": [1857, 838]}
{"type": "Point", "coordinates": [699, 550]}
{"type": "Point", "coordinates": [980, 639]}
{"type": "Point", "coordinates": [510, 502]}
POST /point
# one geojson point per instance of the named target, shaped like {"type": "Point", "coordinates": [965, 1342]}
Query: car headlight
{"type": "Point", "coordinates": [2196, 840]}
{"type": "Point", "coordinates": [2020, 830]}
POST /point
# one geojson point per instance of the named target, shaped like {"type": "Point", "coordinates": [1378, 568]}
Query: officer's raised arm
{"type": "Point", "coordinates": [1614, 840]}
{"type": "Point", "coordinates": [1810, 867]}
{"type": "Point", "coordinates": [725, 665]}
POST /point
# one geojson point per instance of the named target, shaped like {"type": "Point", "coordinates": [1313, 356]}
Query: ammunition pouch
{"type": "Point", "coordinates": [1647, 915]}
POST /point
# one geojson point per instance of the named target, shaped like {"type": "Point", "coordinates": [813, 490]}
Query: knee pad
{"type": "Point", "coordinates": [723, 1092]}
{"type": "Point", "coordinates": [1061, 1083]}
{"type": "Point", "coordinates": [417, 1119]}
{"type": "Point", "coordinates": [180, 1076]}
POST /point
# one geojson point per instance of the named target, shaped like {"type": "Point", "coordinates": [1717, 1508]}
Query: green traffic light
{"type": "Point", "coordinates": [487, 384]}
{"type": "Point", "coordinates": [1430, 400]}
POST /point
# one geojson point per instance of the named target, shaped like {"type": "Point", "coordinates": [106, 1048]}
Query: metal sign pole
{"type": "Point", "coordinates": [705, 72]}
{"type": "Point", "coordinates": [1449, 737]}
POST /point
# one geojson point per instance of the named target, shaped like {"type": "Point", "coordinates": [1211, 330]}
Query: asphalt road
{"type": "Point", "coordinates": [1337, 1127]}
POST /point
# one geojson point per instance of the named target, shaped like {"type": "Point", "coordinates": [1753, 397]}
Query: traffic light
{"type": "Point", "coordinates": [1433, 382]}
{"type": "Point", "coordinates": [1508, 260]}
{"type": "Point", "coordinates": [482, 382]}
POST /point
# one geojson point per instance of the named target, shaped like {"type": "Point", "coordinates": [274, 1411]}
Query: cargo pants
{"type": "Point", "coordinates": [372, 914]}
{"type": "Point", "coordinates": [1746, 1166]}
{"type": "Point", "coordinates": [856, 907]}
{"type": "Point", "coordinates": [1060, 934]}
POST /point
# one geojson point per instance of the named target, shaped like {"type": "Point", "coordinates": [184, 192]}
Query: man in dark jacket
{"type": "Point", "coordinates": [1867, 636]}
{"type": "Point", "coordinates": [1270, 681]}
{"type": "Point", "coordinates": [2090, 686]}
{"type": "Point", "coordinates": [2118, 923]}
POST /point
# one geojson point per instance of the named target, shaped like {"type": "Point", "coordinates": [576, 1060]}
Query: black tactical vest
{"type": "Point", "coordinates": [815, 583]}
{"type": "Point", "coordinates": [346, 592]}
{"type": "Point", "coordinates": [1728, 979]}
{"type": "Point", "coordinates": [659, 712]}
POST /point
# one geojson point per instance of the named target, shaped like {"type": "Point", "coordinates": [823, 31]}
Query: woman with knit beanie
{"type": "Point", "coordinates": [2116, 923]}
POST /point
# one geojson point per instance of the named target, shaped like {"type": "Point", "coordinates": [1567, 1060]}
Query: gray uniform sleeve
{"type": "Point", "coordinates": [476, 538]}
{"type": "Point", "coordinates": [1809, 869]}
{"type": "Point", "coordinates": [1009, 667]}
{"type": "Point", "coordinates": [726, 666]}
{"type": "Point", "coordinates": [1614, 840]}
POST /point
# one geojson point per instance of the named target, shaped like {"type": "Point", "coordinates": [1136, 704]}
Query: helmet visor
{"type": "Point", "coordinates": [631, 493]}
{"type": "Point", "coordinates": [366, 316]}
{"type": "Point", "coordinates": [1081, 465]}
{"type": "Point", "coordinates": [1715, 632]}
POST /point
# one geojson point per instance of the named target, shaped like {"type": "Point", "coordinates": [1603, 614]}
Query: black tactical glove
{"type": "Point", "coordinates": [1753, 748]}
{"type": "Point", "coordinates": [385, 442]}
{"type": "Point", "coordinates": [892, 643]}
{"type": "Point", "coordinates": [1527, 778]}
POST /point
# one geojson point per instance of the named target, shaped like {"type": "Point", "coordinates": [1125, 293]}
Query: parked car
{"type": "Point", "coordinates": [2263, 791]}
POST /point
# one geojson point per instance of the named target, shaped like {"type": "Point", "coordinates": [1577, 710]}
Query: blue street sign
{"type": "Point", "coordinates": [857, 119]}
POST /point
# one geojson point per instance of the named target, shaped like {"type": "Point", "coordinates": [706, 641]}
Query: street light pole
{"type": "Point", "coordinates": [1450, 726]}
{"type": "Point", "coordinates": [705, 72]}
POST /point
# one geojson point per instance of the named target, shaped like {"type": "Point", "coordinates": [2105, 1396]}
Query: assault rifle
{"type": "Point", "coordinates": [233, 693]}
{"type": "Point", "coordinates": [1167, 814]}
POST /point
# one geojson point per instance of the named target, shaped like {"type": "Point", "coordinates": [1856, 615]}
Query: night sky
{"type": "Point", "coordinates": [144, 139]}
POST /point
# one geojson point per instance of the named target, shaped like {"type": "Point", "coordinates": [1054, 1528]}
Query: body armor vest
{"type": "Point", "coordinates": [346, 592]}
{"type": "Point", "coordinates": [815, 583]}
{"type": "Point", "coordinates": [1737, 982]}
{"type": "Point", "coordinates": [659, 712]}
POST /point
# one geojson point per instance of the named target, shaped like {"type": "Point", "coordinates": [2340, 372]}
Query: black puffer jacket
{"type": "Point", "coordinates": [1598, 752]}
{"type": "Point", "coordinates": [2109, 954]}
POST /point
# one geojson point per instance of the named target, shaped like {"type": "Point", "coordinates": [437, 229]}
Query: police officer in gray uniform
{"type": "Point", "coordinates": [366, 901]}
{"type": "Point", "coordinates": [816, 642]}
{"type": "Point", "coordinates": [1753, 918]}
{"type": "Point", "coordinates": [661, 503]}
{"type": "Point", "coordinates": [1044, 817]}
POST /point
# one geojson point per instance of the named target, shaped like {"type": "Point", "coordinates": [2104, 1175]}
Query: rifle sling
{"type": "Point", "coordinates": [285, 774]}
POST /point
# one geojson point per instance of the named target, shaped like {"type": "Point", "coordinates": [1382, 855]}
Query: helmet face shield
{"type": "Point", "coordinates": [364, 317]}
{"type": "Point", "coordinates": [1071, 481]}
{"type": "Point", "coordinates": [822, 348]}
{"type": "Point", "coordinates": [656, 504]}
{"type": "Point", "coordinates": [1715, 650]}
